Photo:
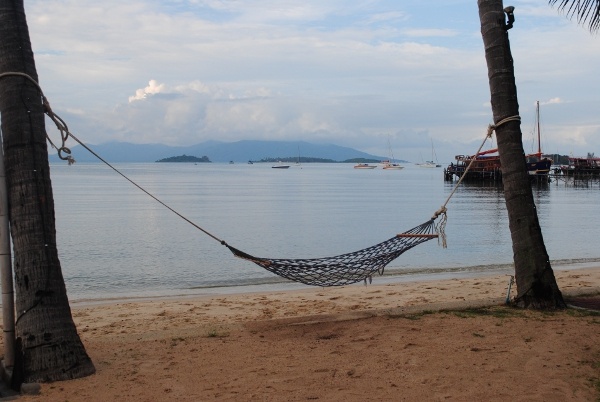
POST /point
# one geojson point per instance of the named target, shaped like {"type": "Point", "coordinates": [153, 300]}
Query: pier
{"type": "Point", "coordinates": [579, 180]}
{"type": "Point", "coordinates": [568, 180]}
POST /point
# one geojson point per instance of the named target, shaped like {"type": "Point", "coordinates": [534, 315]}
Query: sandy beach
{"type": "Point", "coordinates": [418, 341]}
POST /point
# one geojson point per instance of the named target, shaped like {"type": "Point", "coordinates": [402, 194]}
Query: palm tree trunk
{"type": "Point", "coordinates": [536, 284]}
{"type": "Point", "coordinates": [50, 348]}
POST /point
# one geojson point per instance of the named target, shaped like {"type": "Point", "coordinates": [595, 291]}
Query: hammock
{"type": "Point", "coordinates": [347, 268]}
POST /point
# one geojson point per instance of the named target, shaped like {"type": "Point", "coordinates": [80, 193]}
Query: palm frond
{"type": "Point", "coordinates": [586, 11]}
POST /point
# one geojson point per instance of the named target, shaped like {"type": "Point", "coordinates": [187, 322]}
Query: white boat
{"type": "Point", "coordinates": [428, 164]}
{"type": "Point", "coordinates": [391, 164]}
{"type": "Point", "coordinates": [431, 163]}
{"type": "Point", "coordinates": [364, 166]}
{"type": "Point", "coordinates": [280, 165]}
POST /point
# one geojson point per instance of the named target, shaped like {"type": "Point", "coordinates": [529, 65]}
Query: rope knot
{"type": "Point", "coordinates": [439, 212]}
{"type": "Point", "coordinates": [490, 130]}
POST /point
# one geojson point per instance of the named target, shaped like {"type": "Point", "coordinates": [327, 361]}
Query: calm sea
{"type": "Point", "coordinates": [115, 241]}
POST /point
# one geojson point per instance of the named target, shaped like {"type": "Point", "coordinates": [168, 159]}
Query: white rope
{"type": "Point", "coordinates": [442, 211]}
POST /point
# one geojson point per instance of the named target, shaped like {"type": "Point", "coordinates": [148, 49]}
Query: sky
{"type": "Point", "coordinates": [373, 75]}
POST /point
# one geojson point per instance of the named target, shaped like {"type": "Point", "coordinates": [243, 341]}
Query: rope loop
{"type": "Point", "coordinates": [60, 123]}
{"type": "Point", "coordinates": [70, 160]}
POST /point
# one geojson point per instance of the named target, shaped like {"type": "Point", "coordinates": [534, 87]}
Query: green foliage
{"type": "Point", "coordinates": [185, 158]}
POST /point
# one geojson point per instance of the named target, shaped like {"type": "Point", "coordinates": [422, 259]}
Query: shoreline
{"type": "Point", "coordinates": [288, 286]}
{"type": "Point", "coordinates": [374, 299]}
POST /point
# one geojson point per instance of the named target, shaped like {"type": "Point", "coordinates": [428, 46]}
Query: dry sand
{"type": "Point", "coordinates": [393, 342]}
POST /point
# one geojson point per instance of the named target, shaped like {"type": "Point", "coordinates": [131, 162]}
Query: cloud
{"type": "Point", "coordinates": [390, 16]}
{"type": "Point", "coordinates": [430, 32]}
{"type": "Point", "coordinates": [552, 101]}
{"type": "Point", "coordinates": [152, 89]}
{"type": "Point", "coordinates": [347, 73]}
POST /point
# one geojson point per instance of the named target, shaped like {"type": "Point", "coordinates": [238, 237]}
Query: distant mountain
{"type": "Point", "coordinates": [216, 151]}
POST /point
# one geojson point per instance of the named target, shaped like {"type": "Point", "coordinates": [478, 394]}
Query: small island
{"type": "Point", "coordinates": [185, 158]}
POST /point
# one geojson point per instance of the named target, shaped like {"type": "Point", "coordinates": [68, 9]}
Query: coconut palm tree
{"type": "Point", "coordinates": [536, 284]}
{"type": "Point", "coordinates": [48, 346]}
{"type": "Point", "coordinates": [586, 11]}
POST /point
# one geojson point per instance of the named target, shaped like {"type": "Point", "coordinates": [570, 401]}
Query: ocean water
{"type": "Point", "coordinates": [115, 241]}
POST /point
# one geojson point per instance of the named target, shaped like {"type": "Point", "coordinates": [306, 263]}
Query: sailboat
{"type": "Point", "coordinates": [431, 163]}
{"type": "Point", "coordinates": [536, 164]}
{"type": "Point", "coordinates": [391, 163]}
{"type": "Point", "coordinates": [298, 160]}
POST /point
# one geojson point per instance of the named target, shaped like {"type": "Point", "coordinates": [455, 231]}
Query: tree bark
{"type": "Point", "coordinates": [50, 348]}
{"type": "Point", "coordinates": [536, 284]}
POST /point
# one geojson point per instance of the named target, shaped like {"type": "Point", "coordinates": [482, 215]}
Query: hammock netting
{"type": "Point", "coordinates": [347, 268]}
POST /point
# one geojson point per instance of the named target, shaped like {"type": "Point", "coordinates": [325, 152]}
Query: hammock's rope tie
{"type": "Point", "coordinates": [442, 211]}
{"type": "Point", "coordinates": [60, 124]}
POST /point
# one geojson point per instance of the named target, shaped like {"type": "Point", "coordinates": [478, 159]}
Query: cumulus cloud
{"type": "Point", "coordinates": [552, 101]}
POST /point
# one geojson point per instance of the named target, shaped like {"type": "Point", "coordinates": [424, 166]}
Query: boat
{"type": "Point", "coordinates": [391, 164]}
{"type": "Point", "coordinates": [431, 163]}
{"type": "Point", "coordinates": [428, 164]}
{"type": "Point", "coordinates": [250, 162]}
{"type": "Point", "coordinates": [280, 165]}
{"type": "Point", "coordinates": [486, 165]}
{"type": "Point", "coordinates": [537, 164]}
{"type": "Point", "coordinates": [582, 167]}
{"type": "Point", "coordinates": [364, 166]}
{"type": "Point", "coordinates": [298, 160]}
